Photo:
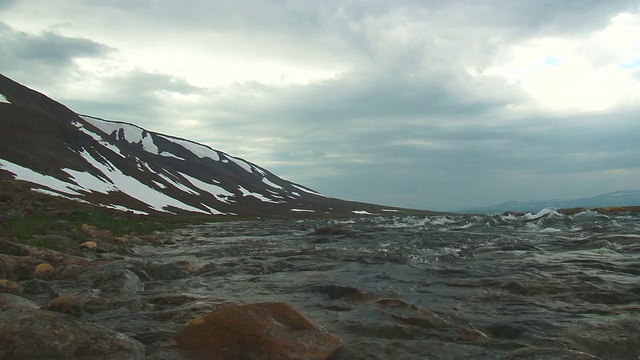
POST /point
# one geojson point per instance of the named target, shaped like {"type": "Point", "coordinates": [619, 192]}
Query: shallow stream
{"type": "Point", "coordinates": [544, 286]}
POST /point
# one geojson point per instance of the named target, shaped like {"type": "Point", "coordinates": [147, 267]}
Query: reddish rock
{"type": "Point", "coordinates": [10, 287]}
{"type": "Point", "coordinates": [66, 304]}
{"type": "Point", "coordinates": [275, 331]}
{"type": "Point", "coordinates": [44, 271]}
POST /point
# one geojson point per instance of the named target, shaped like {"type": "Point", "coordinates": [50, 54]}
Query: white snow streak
{"type": "Point", "coordinates": [97, 138]}
{"type": "Point", "coordinates": [3, 99]}
{"type": "Point", "coordinates": [261, 197]}
{"type": "Point", "coordinates": [198, 150]}
{"type": "Point", "coordinates": [362, 212]}
{"type": "Point", "coordinates": [134, 188]}
{"type": "Point", "coordinates": [215, 190]}
{"type": "Point", "coordinates": [23, 173]}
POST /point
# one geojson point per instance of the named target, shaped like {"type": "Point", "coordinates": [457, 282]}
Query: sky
{"type": "Point", "coordinates": [439, 105]}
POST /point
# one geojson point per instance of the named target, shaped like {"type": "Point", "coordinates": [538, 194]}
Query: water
{"type": "Point", "coordinates": [544, 286]}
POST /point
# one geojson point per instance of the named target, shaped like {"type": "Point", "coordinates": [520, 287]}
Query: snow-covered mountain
{"type": "Point", "coordinates": [123, 166]}
{"type": "Point", "coordinates": [629, 197]}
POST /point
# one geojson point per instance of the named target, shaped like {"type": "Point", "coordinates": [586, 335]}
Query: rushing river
{"type": "Point", "coordinates": [544, 286]}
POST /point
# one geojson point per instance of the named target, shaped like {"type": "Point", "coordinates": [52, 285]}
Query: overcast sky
{"type": "Point", "coordinates": [427, 104]}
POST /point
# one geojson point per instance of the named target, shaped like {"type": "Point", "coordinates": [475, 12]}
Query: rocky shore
{"type": "Point", "coordinates": [51, 304]}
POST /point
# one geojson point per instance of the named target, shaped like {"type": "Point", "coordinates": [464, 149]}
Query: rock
{"type": "Point", "coordinates": [44, 271]}
{"type": "Point", "coordinates": [27, 333]}
{"type": "Point", "coordinates": [95, 233]}
{"type": "Point", "coordinates": [66, 304]}
{"type": "Point", "coordinates": [333, 230]}
{"type": "Point", "coordinates": [538, 353]}
{"type": "Point", "coordinates": [168, 271]}
{"type": "Point", "coordinates": [89, 245]}
{"type": "Point", "coordinates": [17, 267]}
{"type": "Point", "coordinates": [9, 301]}
{"type": "Point", "coordinates": [346, 293]}
{"type": "Point", "coordinates": [118, 281]}
{"type": "Point", "coordinates": [420, 317]}
{"type": "Point", "coordinates": [275, 331]}
{"type": "Point", "coordinates": [53, 257]}
{"type": "Point", "coordinates": [8, 286]}
{"type": "Point", "coordinates": [39, 286]}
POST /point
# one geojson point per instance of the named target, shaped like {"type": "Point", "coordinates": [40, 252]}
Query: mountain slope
{"type": "Point", "coordinates": [629, 197]}
{"type": "Point", "coordinates": [122, 166]}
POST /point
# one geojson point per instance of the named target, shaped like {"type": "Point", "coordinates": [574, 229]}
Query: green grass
{"type": "Point", "coordinates": [34, 229]}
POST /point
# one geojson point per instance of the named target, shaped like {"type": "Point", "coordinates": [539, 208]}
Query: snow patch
{"type": "Point", "coordinates": [307, 191]}
{"type": "Point", "coordinates": [148, 144]}
{"type": "Point", "coordinates": [168, 154]}
{"type": "Point", "coordinates": [3, 99]}
{"type": "Point", "coordinates": [123, 131]}
{"type": "Point", "coordinates": [218, 192]}
{"type": "Point", "coordinates": [178, 185]}
{"type": "Point", "coordinates": [23, 173]}
{"type": "Point", "coordinates": [243, 164]}
{"type": "Point", "coordinates": [199, 150]}
{"type": "Point", "coordinates": [362, 212]}
{"type": "Point", "coordinates": [271, 184]}
{"type": "Point", "coordinates": [137, 190]}
{"type": "Point", "coordinates": [302, 210]}
{"type": "Point", "coordinates": [260, 197]}
{"type": "Point", "coordinates": [98, 139]}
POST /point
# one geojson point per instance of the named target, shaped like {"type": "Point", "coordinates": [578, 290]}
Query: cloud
{"type": "Point", "coordinates": [47, 47]}
{"type": "Point", "coordinates": [426, 104]}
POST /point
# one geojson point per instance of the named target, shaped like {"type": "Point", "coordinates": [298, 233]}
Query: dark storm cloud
{"type": "Point", "coordinates": [45, 48]}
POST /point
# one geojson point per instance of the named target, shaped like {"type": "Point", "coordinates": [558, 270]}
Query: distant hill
{"type": "Point", "coordinates": [125, 167]}
{"type": "Point", "coordinates": [629, 197]}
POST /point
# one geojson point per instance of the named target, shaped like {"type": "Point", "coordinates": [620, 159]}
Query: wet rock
{"type": "Point", "coordinates": [10, 287]}
{"type": "Point", "coordinates": [258, 331]}
{"type": "Point", "coordinates": [336, 292]}
{"type": "Point", "coordinates": [118, 281]}
{"type": "Point", "coordinates": [617, 337]}
{"type": "Point", "coordinates": [9, 301]}
{"type": "Point", "coordinates": [420, 317]}
{"type": "Point", "coordinates": [505, 330]}
{"type": "Point", "coordinates": [70, 271]}
{"type": "Point", "coordinates": [17, 267]}
{"type": "Point", "coordinates": [44, 271]}
{"type": "Point", "coordinates": [66, 304]}
{"type": "Point", "coordinates": [39, 286]}
{"type": "Point", "coordinates": [27, 333]}
{"type": "Point", "coordinates": [537, 353]}
{"type": "Point", "coordinates": [52, 257]}
{"type": "Point", "coordinates": [99, 304]}
{"type": "Point", "coordinates": [333, 230]}
{"type": "Point", "coordinates": [168, 271]}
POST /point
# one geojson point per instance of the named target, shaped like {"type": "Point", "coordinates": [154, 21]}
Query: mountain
{"type": "Point", "coordinates": [123, 166]}
{"type": "Point", "coordinates": [629, 197]}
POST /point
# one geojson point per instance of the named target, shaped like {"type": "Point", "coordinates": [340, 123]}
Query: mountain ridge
{"type": "Point", "coordinates": [619, 198]}
{"type": "Point", "coordinates": [123, 166]}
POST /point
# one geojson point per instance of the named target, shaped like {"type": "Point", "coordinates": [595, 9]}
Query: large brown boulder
{"type": "Point", "coordinates": [29, 333]}
{"type": "Point", "coordinates": [17, 267]}
{"type": "Point", "coordinates": [273, 330]}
